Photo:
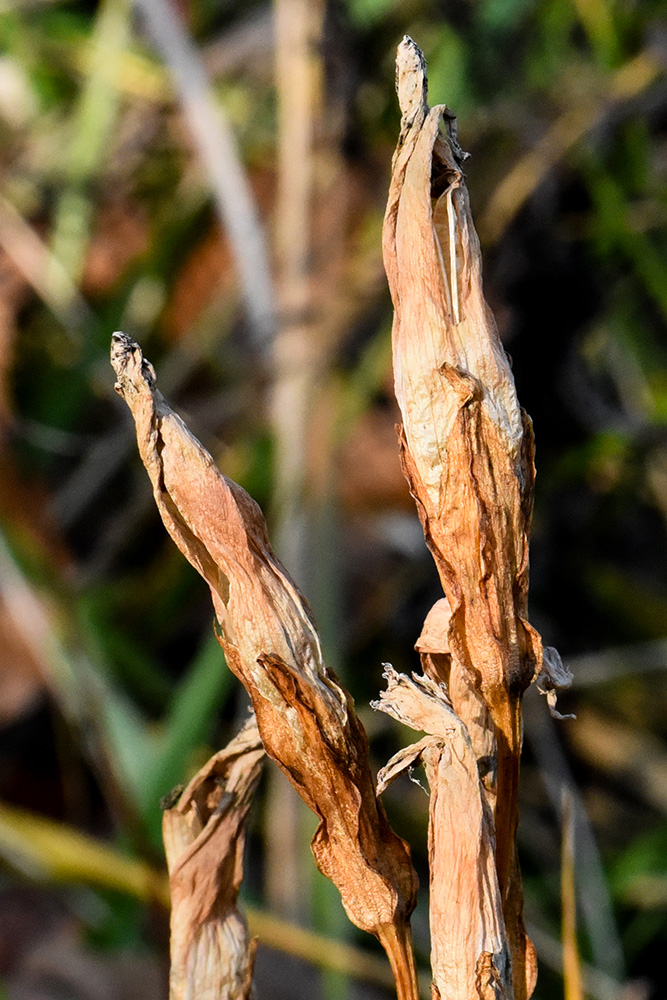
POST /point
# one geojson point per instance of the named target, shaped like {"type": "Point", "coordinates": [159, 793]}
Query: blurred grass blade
{"type": "Point", "coordinates": [595, 901]}
{"type": "Point", "coordinates": [221, 160]}
{"type": "Point", "coordinates": [124, 732]}
{"type": "Point", "coordinates": [598, 984]}
{"type": "Point", "coordinates": [193, 706]}
{"type": "Point", "coordinates": [325, 952]}
{"type": "Point", "coordinates": [597, 20]}
{"type": "Point", "coordinates": [614, 663]}
{"type": "Point", "coordinates": [634, 77]}
{"type": "Point", "coordinates": [571, 959]}
{"type": "Point", "coordinates": [46, 850]}
{"type": "Point", "coordinates": [93, 121]}
{"type": "Point", "coordinates": [42, 270]}
{"type": "Point", "coordinates": [640, 250]}
{"type": "Point", "coordinates": [111, 729]}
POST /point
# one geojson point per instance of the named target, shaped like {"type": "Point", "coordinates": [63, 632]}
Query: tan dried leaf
{"type": "Point", "coordinates": [467, 702]}
{"type": "Point", "coordinates": [204, 836]}
{"type": "Point", "coordinates": [470, 955]}
{"type": "Point", "coordinates": [467, 447]}
{"type": "Point", "coordinates": [467, 452]}
{"type": "Point", "coordinates": [306, 718]}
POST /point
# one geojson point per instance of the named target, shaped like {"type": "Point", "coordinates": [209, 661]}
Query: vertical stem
{"type": "Point", "coordinates": [507, 863]}
{"type": "Point", "coordinates": [507, 801]}
{"type": "Point", "coordinates": [571, 963]}
{"type": "Point", "coordinates": [298, 31]}
{"type": "Point", "coordinates": [299, 88]}
{"type": "Point", "coordinates": [398, 945]}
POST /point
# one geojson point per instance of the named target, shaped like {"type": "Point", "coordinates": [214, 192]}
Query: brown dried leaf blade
{"type": "Point", "coordinates": [204, 837]}
{"type": "Point", "coordinates": [306, 718]}
{"type": "Point", "coordinates": [470, 954]}
{"type": "Point", "coordinates": [467, 452]}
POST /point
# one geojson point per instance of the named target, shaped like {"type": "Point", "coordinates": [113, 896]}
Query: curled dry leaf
{"type": "Point", "coordinates": [467, 702]}
{"type": "Point", "coordinates": [204, 836]}
{"type": "Point", "coordinates": [467, 452]}
{"type": "Point", "coordinates": [470, 955]}
{"type": "Point", "coordinates": [554, 677]}
{"type": "Point", "coordinates": [306, 718]}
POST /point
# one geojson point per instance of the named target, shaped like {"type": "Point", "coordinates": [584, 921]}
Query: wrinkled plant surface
{"type": "Point", "coordinates": [204, 830]}
{"type": "Point", "coordinates": [467, 453]}
{"type": "Point", "coordinates": [305, 717]}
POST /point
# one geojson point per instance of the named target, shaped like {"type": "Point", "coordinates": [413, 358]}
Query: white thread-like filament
{"type": "Point", "coordinates": [453, 274]}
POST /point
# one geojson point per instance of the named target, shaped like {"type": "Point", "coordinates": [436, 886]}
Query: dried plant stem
{"type": "Point", "coordinates": [305, 717]}
{"type": "Point", "coordinates": [467, 453]}
{"type": "Point", "coordinates": [571, 960]}
{"type": "Point", "coordinates": [469, 945]}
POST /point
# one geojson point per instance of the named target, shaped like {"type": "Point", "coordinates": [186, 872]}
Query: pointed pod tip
{"type": "Point", "coordinates": [411, 80]}
{"type": "Point", "coordinates": [408, 42]}
{"type": "Point", "coordinates": [126, 358]}
{"type": "Point", "coordinates": [121, 348]}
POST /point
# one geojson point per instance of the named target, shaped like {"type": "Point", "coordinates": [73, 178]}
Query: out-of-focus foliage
{"type": "Point", "coordinates": [112, 687]}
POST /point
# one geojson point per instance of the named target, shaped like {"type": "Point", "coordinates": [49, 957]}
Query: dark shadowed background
{"type": "Point", "coordinates": [210, 178]}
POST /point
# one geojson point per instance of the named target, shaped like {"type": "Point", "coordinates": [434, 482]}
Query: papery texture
{"type": "Point", "coordinates": [467, 452]}
{"type": "Point", "coordinates": [467, 702]}
{"type": "Point", "coordinates": [204, 836]}
{"type": "Point", "coordinates": [305, 717]}
{"type": "Point", "coordinates": [553, 678]}
{"type": "Point", "coordinates": [472, 958]}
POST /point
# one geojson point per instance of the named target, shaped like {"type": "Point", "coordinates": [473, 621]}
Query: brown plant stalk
{"type": "Point", "coordinates": [470, 956]}
{"type": "Point", "coordinates": [467, 453]}
{"type": "Point", "coordinates": [305, 717]}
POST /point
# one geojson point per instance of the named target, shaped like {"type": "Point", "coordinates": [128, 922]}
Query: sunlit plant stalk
{"type": "Point", "coordinates": [467, 452]}
{"type": "Point", "coordinates": [305, 717]}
